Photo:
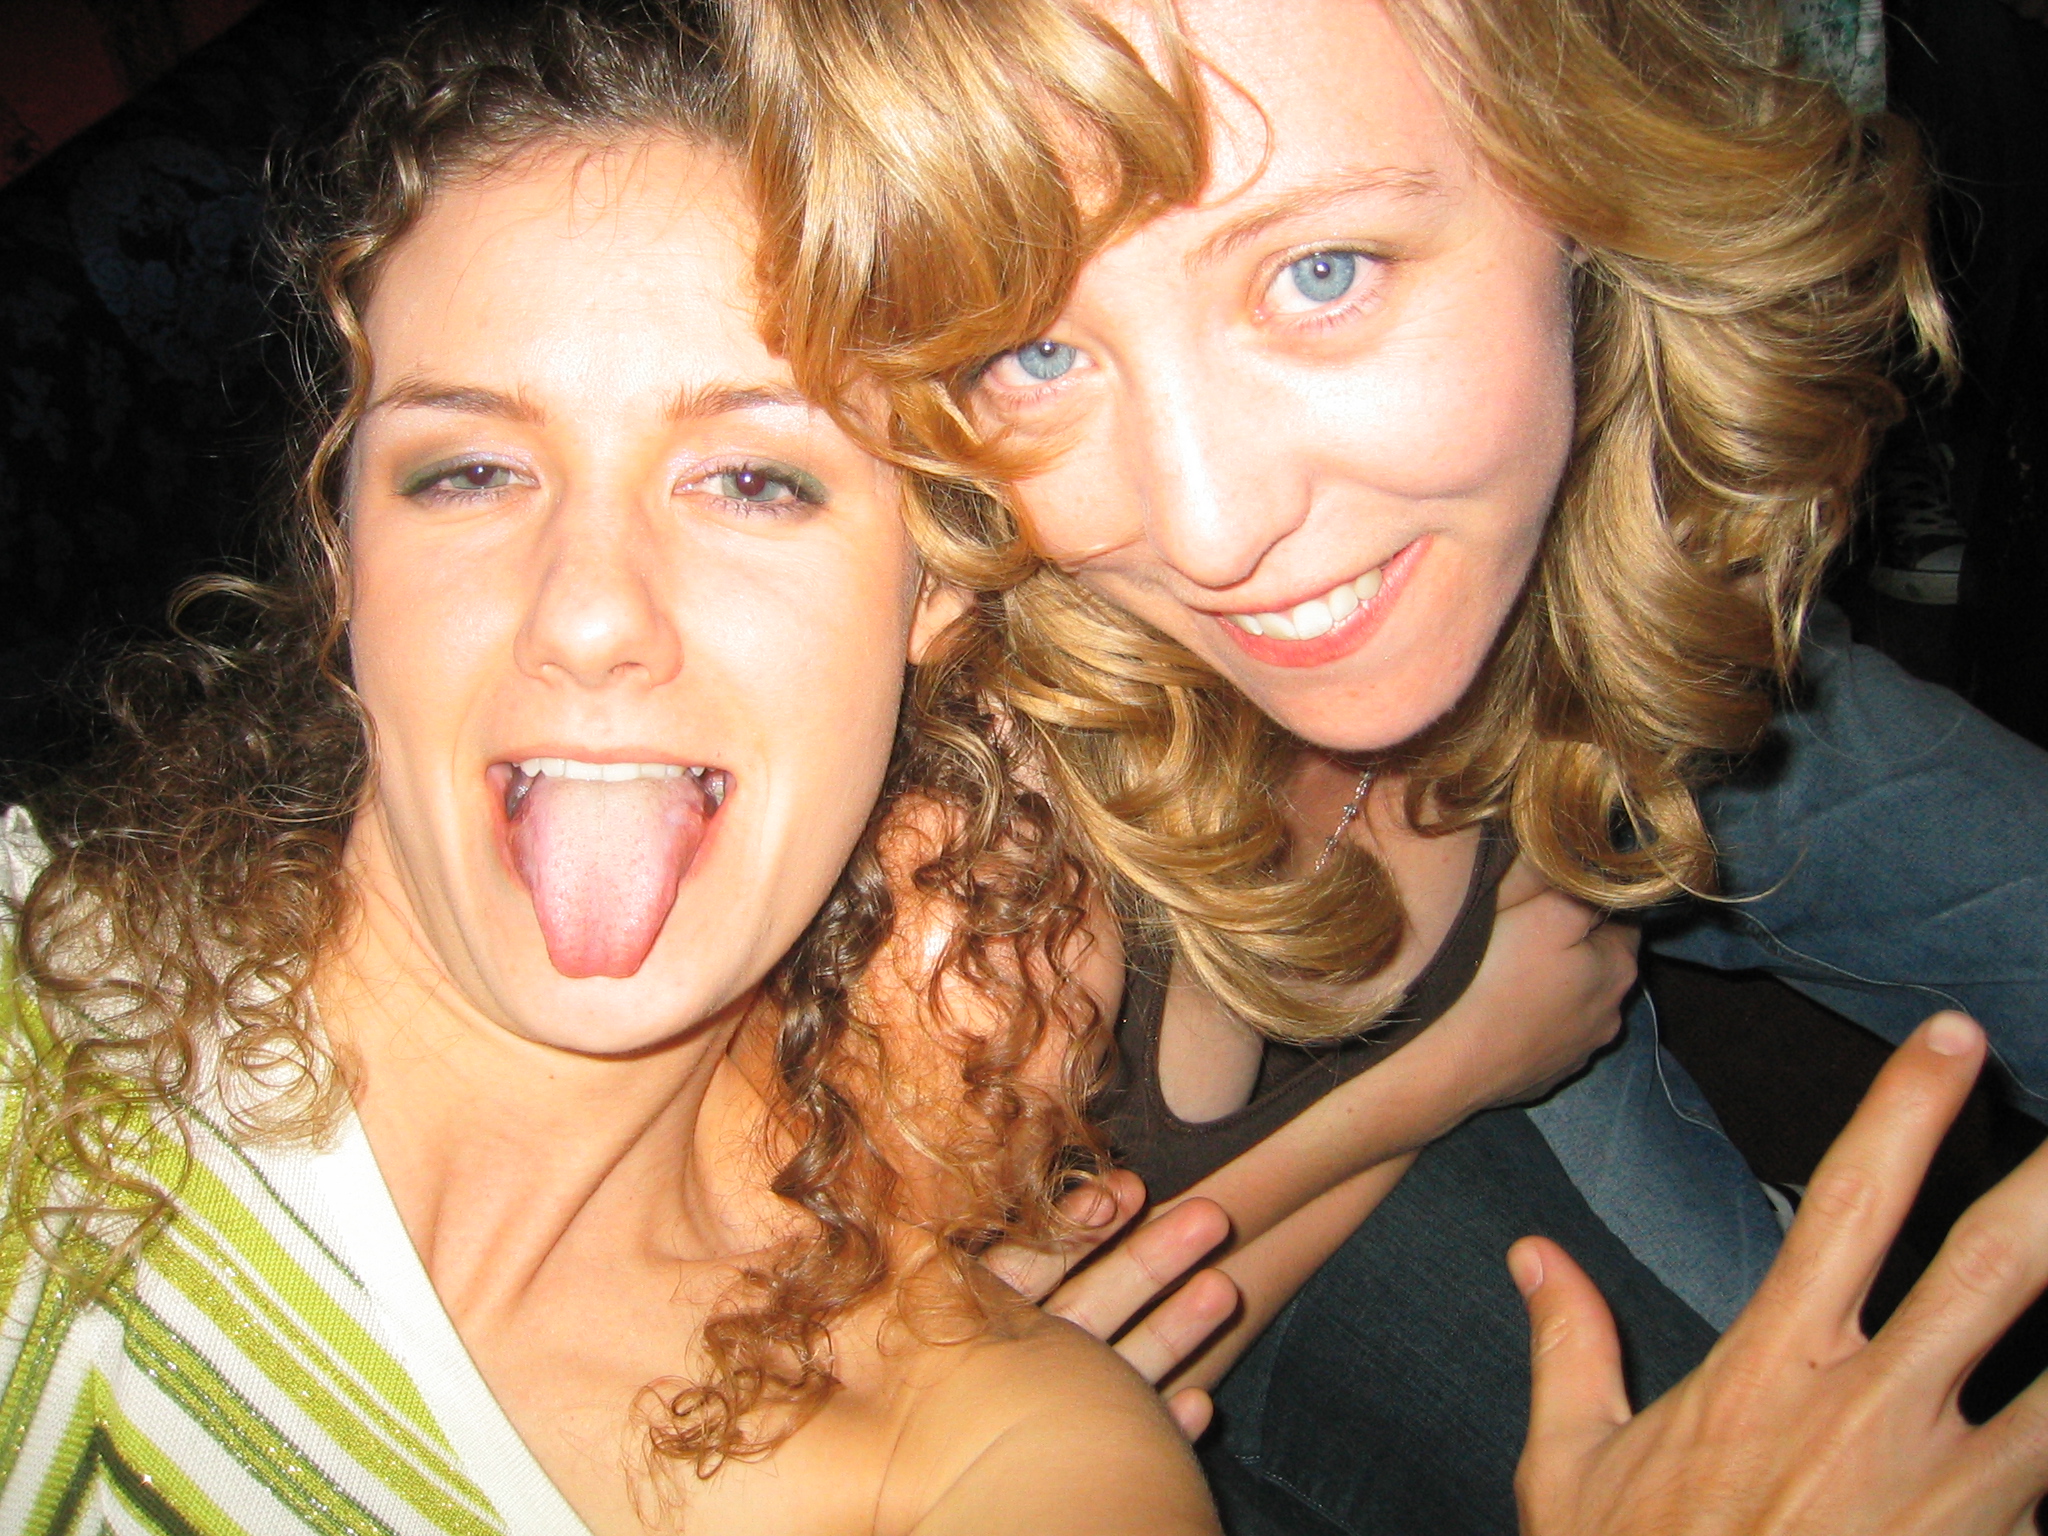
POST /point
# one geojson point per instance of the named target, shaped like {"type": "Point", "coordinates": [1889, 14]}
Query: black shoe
{"type": "Point", "coordinates": [1920, 541]}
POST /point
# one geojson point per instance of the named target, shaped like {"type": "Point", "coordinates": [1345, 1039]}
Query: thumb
{"type": "Point", "coordinates": [1577, 1398]}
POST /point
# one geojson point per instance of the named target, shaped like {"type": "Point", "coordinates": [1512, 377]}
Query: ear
{"type": "Point", "coordinates": [939, 604]}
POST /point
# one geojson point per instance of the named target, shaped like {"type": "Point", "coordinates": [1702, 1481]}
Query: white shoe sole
{"type": "Point", "coordinates": [1937, 589]}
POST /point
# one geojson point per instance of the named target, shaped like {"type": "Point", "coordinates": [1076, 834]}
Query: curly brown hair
{"type": "Point", "coordinates": [1751, 264]}
{"type": "Point", "coordinates": [195, 868]}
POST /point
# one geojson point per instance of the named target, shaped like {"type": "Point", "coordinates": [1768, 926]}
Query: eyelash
{"type": "Point", "coordinates": [1341, 309]}
{"type": "Point", "coordinates": [423, 485]}
{"type": "Point", "coordinates": [1013, 394]}
{"type": "Point", "coordinates": [1315, 320]}
{"type": "Point", "coordinates": [805, 491]}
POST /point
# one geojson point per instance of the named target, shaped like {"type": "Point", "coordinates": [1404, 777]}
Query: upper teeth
{"type": "Point", "coordinates": [1317, 616]}
{"type": "Point", "coordinates": [610, 773]}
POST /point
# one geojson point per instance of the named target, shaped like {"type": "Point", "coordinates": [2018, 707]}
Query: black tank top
{"type": "Point", "coordinates": [1172, 1154]}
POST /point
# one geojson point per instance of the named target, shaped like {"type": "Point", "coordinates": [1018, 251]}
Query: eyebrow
{"type": "Point", "coordinates": [691, 402]}
{"type": "Point", "coordinates": [1395, 181]}
{"type": "Point", "coordinates": [415, 393]}
{"type": "Point", "coordinates": [717, 398]}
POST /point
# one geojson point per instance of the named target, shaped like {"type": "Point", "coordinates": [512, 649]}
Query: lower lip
{"type": "Point", "coordinates": [1359, 626]}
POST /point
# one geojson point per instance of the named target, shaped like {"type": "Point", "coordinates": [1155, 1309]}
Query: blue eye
{"type": "Point", "coordinates": [1324, 275]}
{"type": "Point", "coordinates": [1045, 360]}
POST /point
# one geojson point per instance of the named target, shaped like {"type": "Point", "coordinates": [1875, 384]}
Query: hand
{"type": "Point", "coordinates": [1795, 1425]}
{"type": "Point", "coordinates": [1101, 1297]}
{"type": "Point", "coordinates": [1547, 996]}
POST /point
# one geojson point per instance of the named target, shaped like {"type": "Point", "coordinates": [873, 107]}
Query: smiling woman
{"type": "Point", "coordinates": [1476, 388]}
{"type": "Point", "coordinates": [455, 1035]}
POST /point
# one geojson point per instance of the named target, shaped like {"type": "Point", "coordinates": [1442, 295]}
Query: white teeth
{"type": "Point", "coordinates": [1316, 617]}
{"type": "Point", "coordinates": [608, 773]}
{"type": "Point", "coordinates": [1312, 619]}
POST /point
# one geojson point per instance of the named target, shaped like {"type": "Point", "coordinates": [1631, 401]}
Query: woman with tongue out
{"type": "Point", "coordinates": [446, 1088]}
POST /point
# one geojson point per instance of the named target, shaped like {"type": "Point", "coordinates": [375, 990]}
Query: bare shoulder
{"type": "Point", "coordinates": [1038, 1429]}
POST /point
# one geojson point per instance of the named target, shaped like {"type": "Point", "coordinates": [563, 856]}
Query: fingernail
{"type": "Point", "coordinates": [1525, 1264]}
{"type": "Point", "coordinates": [1950, 1034]}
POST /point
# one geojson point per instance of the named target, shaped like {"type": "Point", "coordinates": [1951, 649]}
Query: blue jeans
{"type": "Point", "coordinates": [1638, 1140]}
{"type": "Point", "coordinates": [1888, 858]}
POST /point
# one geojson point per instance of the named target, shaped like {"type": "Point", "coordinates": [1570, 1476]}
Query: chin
{"type": "Point", "coordinates": [1372, 712]}
{"type": "Point", "coordinates": [607, 1016]}
{"type": "Point", "coordinates": [678, 989]}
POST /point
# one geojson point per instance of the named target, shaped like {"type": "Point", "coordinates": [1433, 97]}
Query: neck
{"type": "Point", "coordinates": [505, 1155]}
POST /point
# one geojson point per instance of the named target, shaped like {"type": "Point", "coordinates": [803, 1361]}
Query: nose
{"type": "Point", "coordinates": [599, 615]}
{"type": "Point", "coordinates": [1218, 479]}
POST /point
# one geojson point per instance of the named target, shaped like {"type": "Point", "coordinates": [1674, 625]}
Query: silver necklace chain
{"type": "Point", "coordinates": [1344, 822]}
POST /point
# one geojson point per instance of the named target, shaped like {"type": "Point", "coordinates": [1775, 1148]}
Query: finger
{"type": "Point", "coordinates": [1172, 1331]}
{"type": "Point", "coordinates": [1616, 945]}
{"type": "Point", "coordinates": [1521, 883]}
{"type": "Point", "coordinates": [1128, 1278]}
{"type": "Point", "coordinates": [2011, 1452]}
{"type": "Point", "coordinates": [1577, 1397]}
{"type": "Point", "coordinates": [1191, 1408]}
{"type": "Point", "coordinates": [1989, 1270]}
{"type": "Point", "coordinates": [1098, 1208]}
{"type": "Point", "coordinates": [1991, 1487]}
{"type": "Point", "coordinates": [1866, 1183]}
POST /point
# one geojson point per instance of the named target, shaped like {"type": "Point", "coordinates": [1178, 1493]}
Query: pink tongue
{"type": "Point", "coordinates": [603, 862]}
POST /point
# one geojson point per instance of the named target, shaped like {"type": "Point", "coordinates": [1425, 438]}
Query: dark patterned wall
{"type": "Point", "coordinates": [66, 64]}
{"type": "Point", "coordinates": [137, 408]}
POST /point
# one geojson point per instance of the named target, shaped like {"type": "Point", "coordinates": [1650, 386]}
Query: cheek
{"type": "Point", "coordinates": [1463, 415]}
{"type": "Point", "coordinates": [420, 625]}
{"type": "Point", "coordinates": [818, 649]}
{"type": "Point", "coordinates": [1081, 505]}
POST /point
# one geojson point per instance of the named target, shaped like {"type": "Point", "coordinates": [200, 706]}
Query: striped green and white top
{"type": "Point", "coordinates": [274, 1362]}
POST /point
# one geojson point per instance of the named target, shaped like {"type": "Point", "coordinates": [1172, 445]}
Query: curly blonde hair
{"type": "Point", "coordinates": [1751, 266]}
{"type": "Point", "coordinates": [195, 871]}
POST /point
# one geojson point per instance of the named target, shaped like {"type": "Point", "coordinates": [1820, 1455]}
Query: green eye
{"type": "Point", "coordinates": [460, 479]}
{"type": "Point", "coordinates": [766, 485]}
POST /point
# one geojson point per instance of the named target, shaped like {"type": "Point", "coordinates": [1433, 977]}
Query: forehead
{"type": "Point", "coordinates": [1310, 94]}
{"type": "Point", "coordinates": [636, 249]}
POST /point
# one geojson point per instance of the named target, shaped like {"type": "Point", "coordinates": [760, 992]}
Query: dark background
{"type": "Point", "coordinates": [139, 408]}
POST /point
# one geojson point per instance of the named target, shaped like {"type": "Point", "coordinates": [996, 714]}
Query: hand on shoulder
{"type": "Point", "coordinates": [1546, 997]}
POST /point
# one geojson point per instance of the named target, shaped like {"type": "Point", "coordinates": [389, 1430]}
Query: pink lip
{"type": "Point", "coordinates": [1348, 636]}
